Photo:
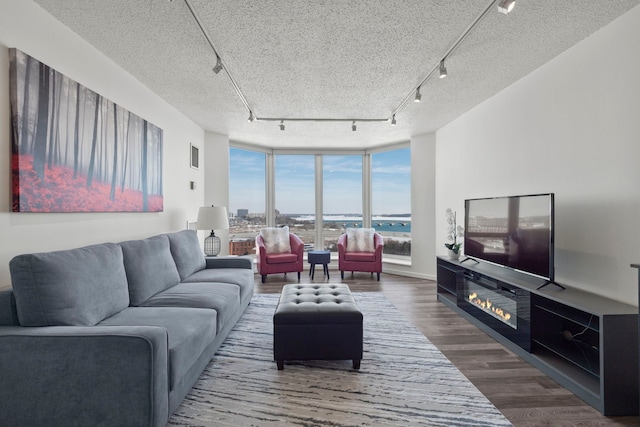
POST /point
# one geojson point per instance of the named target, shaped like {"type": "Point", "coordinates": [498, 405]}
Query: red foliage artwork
{"type": "Point", "coordinates": [60, 192]}
{"type": "Point", "coordinates": [73, 150]}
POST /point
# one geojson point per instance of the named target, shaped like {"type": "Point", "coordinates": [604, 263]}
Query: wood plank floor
{"type": "Point", "coordinates": [523, 394]}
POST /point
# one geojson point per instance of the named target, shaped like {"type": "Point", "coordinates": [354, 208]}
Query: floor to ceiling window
{"type": "Point", "coordinates": [247, 199]}
{"type": "Point", "coordinates": [391, 199]}
{"type": "Point", "coordinates": [341, 198]}
{"type": "Point", "coordinates": [295, 195]}
{"type": "Point", "coordinates": [290, 185]}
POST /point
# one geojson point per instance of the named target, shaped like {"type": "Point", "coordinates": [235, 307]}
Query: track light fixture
{"type": "Point", "coordinates": [218, 66]}
{"type": "Point", "coordinates": [443, 70]}
{"type": "Point", "coordinates": [506, 6]}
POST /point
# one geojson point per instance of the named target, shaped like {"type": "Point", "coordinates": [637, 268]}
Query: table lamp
{"type": "Point", "coordinates": [212, 218]}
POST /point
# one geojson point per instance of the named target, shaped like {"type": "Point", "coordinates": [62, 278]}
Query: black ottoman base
{"type": "Point", "coordinates": [317, 322]}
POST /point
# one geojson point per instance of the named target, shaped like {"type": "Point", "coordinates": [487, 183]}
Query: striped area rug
{"type": "Point", "coordinates": [404, 380]}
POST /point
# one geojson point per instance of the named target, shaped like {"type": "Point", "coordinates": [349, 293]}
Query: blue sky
{"type": "Point", "coordinates": [342, 187]}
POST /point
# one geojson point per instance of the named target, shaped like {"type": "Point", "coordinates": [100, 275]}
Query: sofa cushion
{"type": "Point", "coordinates": [77, 287]}
{"type": "Point", "coordinates": [241, 277]}
{"type": "Point", "coordinates": [224, 298]}
{"type": "Point", "coordinates": [189, 332]}
{"type": "Point", "coordinates": [276, 239]}
{"type": "Point", "coordinates": [360, 240]}
{"type": "Point", "coordinates": [187, 253]}
{"type": "Point", "coordinates": [150, 267]}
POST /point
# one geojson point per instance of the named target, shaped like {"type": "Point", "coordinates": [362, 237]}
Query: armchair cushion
{"type": "Point", "coordinates": [276, 240]}
{"type": "Point", "coordinates": [282, 258]}
{"type": "Point", "coordinates": [360, 256]}
{"type": "Point", "coordinates": [360, 240]}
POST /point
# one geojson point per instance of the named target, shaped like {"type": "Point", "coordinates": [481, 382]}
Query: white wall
{"type": "Point", "coordinates": [26, 26]}
{"type": "Point", "coordinates": [423, 190]}
{"type": "Point", "coordinates": [216, 180]}
{"type": "Point", "coordinates": [572, 127]}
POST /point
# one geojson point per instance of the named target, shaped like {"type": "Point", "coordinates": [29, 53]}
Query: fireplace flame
{"type": "Point", "coordinates": [487, 305]}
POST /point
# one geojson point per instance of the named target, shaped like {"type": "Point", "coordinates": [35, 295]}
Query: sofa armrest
{"type": "Point", "coordinates": [97, 375]}
{"type": "Point", "coordinates": [229, 262]}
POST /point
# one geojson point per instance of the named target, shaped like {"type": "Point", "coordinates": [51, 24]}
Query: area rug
{"type": "Point", "coordinates": [404, 380]}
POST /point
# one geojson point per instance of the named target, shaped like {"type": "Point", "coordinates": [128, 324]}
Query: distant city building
{"type": "Point", "coordinates": [243, 213]}
{"type": "Point", "coordinates": [242, 246]}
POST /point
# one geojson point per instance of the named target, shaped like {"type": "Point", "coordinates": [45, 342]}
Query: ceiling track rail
{"type": "Point", "coordinates": [215, 51]}
{"type": "Point", "coordinates": [400, 107]}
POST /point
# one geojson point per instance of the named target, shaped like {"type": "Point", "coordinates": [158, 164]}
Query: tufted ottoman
{"type": "Point", "coordinates": [317, 322]}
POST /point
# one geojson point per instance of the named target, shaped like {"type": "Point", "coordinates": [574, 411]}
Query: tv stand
{"type": "Point", "coordinates": [549, 282]}
{"type": "Point", "coordinates": [585, 342]}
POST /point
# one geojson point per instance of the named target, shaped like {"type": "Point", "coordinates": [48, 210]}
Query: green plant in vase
{"type": "Point", "coordinates": [454, 231]}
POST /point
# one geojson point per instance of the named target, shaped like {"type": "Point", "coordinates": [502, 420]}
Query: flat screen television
{"type": "Point", "coordinates": [514, 232]}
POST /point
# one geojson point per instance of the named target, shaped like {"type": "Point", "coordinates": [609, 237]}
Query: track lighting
{"type": "Point", "coordinates": [218, 66]}
{"type": "Point", "coordinates": [506, 6]}
{"type": "Point", "coordinates": [443, 70]}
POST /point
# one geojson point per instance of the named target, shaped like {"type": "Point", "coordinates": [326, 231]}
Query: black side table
{"type": "Point", "coordinates": [319, 257]}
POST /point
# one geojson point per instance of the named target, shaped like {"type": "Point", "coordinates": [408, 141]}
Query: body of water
{"type": "Point", "coordinates": [391, 224]}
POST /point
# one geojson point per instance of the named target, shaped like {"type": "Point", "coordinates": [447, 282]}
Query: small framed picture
{"type": "Point", "coordinates": [195, 156]}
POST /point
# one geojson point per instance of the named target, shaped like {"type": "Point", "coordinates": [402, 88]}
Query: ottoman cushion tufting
{"type": "Point", "coordinates": [320, 322]}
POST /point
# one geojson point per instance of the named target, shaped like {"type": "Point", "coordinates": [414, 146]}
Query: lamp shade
{"type": "Point", "coordinates": [212, 218]}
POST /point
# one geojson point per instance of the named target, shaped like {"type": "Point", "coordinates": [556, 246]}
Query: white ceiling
{"type": "Point", "coordinates": [333, 59]}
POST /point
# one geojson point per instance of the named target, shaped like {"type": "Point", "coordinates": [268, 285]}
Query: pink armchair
{"type": "Point", "coordinates": [360, 261]}
{"type": "Point", "coordinates": [280, 262]}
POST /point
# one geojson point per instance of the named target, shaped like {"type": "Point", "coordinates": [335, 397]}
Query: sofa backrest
{"type": "Point", "coordinates": [76, 287]}
{"type": "Point", "coordinates": [187, 253]}
{"type": "Point", "coordinates": [149, 266]}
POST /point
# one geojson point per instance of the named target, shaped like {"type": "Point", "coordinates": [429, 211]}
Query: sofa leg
{"type": "Point", "coordinates": [378, 277]}
{"type": "Point", "coordinates": [356, 363]}
{"type": "Point", "coordinates": [342, 274]}
{"type": "Point", "coordinates": [264, 277]}
{"type": "Point", "coordinates": [298, 276]}
{"type": "Point", "coordinates": [281, 364]}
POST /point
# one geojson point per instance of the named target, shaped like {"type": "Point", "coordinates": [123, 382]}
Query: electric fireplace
{"type": "Point", "coordinates": [502, 307]}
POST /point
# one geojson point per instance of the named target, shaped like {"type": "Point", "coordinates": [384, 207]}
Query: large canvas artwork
{"type": "Point", "coordinates": [75, 151]}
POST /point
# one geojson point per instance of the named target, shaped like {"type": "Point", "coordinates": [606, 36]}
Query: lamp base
{"type": "Point", "coordinates": [212, 245]}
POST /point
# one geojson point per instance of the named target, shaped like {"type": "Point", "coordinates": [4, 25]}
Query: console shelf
{"type": "Point", "coordinates": [586, 342]}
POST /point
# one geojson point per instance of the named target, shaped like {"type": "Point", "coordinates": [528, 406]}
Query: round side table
{"type": "Point", "coordinates": [319, 257]}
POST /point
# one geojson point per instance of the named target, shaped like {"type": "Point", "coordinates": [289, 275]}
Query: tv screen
{"type": "Point", "coordinates": [514, 232]}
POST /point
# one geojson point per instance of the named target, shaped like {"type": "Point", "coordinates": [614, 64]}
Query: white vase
{"type": "Point", "coordinates": [453, 255]}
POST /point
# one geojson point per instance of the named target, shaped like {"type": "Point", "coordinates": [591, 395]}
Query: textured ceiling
{"type": "Point", "coordinates": [332, 59]}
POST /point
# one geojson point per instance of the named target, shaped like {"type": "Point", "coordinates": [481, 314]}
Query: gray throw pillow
{"type": "Point", "coordinates": [77, 287]}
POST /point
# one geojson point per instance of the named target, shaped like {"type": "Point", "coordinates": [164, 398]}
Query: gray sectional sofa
{"type": "Point", "coordinates": [114, 334]}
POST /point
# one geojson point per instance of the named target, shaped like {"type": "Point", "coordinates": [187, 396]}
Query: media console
{"type": "Point", "coordinates": [585, 342]}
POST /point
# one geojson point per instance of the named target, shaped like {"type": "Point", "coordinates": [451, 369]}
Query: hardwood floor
{"type": "Point", "coordinates": [523, 394]}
